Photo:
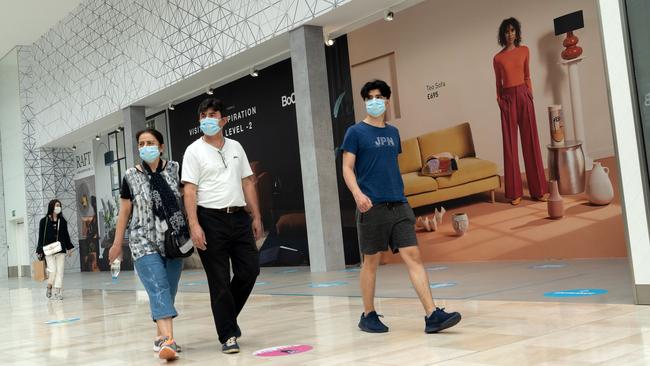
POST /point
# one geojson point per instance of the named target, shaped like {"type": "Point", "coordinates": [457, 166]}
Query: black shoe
{"type": "Point", "coordinates": [371, 323]}
{"type": "Point", "coordinates": [440, 320]}
{"type": "Point", "coordinates": [230, 346]}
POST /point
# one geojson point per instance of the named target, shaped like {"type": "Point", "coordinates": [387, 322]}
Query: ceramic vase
{"type": "Point", "coordinates": [555, 203]}
{"type": "Point", "coordinates": [460, 222]}
{"type": "Point", "coordinates": [599, 187]}
{"type": "Point", "coordinates": [572, 49]}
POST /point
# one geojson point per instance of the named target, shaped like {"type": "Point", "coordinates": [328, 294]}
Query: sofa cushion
{"type": "Point", "coordinates": [456, 140]}
{"type": "Point", "coordinates": [469, 170]}
{"type": "Point", "coordinates": [409, 160]}
{"type": "Point", "coordinates": [415, 184]}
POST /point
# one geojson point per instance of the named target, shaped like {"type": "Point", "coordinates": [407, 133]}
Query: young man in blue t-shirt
{"type": "Point", "coordinates": [384, 217]}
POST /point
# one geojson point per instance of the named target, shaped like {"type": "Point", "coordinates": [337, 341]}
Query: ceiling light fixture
{"type": "Point", "coordinates": [97, 138]}
{"type": "Point", "coordinates": [171, 107]}
{"type": "Point", "coordinates": [389, 16]}
{"type": "Point", "coordinates": [209, 91]}
{"type": "Point", "coordinates": [329, 42]}
{"type": "Point", "coordinates": [74, 147]}
{"type": "Point", "coordinates": [255, 73]}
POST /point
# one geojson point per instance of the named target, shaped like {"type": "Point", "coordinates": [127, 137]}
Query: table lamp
{"type": "Point", "coordinates": [567, 24]}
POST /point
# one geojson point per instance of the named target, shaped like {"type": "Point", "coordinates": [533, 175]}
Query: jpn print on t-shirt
{"type": "Point", "coordinates": [384, 141]}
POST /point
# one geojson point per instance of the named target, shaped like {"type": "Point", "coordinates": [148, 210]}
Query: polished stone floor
{"type": "Point", "coordinates": [509, 318]}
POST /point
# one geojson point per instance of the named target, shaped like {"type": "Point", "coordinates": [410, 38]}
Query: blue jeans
{"type": "Point", "coordinates": [160, 277]}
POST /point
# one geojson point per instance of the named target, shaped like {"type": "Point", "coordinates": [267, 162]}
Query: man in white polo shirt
{"type": "Point", "coordinates": [218, 192]}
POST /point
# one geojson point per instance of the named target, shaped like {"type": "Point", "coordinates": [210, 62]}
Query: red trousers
{"type": "Point", "coordinates": [518, 111]}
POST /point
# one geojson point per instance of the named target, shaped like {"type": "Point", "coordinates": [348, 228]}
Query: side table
{"type": "Point", "coordinates": [566, 164]}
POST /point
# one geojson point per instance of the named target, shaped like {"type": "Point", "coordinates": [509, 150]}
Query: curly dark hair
{"type": "Point", "coordinates": [380, 85]}
{"type": "Point", "coordinates": [211, 103]}
{"type": "Point", "coordinates": [504, 27]}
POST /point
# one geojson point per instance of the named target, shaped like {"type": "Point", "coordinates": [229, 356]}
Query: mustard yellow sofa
{"type": "Point", "coordinates": [473, 176]}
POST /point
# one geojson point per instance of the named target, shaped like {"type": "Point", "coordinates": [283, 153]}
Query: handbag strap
{"type": "Point", "coordinates": [44, 231]}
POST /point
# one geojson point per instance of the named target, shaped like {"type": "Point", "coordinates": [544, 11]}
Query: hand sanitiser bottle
{"type": "Point", "coordinates": [115, 270]}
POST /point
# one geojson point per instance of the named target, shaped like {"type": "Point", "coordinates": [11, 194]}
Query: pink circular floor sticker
{"type": "Point", "coordinates": [283, 350]}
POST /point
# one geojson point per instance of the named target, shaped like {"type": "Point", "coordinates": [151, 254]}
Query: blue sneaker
{"type": "Point", "coordinates": [370, 323]}
{"type": "Point", "coordinates": [440, 320]}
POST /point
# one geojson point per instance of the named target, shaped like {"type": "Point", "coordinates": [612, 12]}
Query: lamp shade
{"type": "Point", "coordinates": [568, 23]}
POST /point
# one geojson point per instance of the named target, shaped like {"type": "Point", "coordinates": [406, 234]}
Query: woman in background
{"type": "Point", "coordinates": [52, 228]}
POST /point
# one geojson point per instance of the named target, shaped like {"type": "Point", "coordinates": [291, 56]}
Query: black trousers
{"type": "Point", "coordinates": [230, 239]}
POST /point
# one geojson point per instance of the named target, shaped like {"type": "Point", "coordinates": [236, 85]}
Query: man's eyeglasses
{"type": "Point", "coordinates": [223, 159]}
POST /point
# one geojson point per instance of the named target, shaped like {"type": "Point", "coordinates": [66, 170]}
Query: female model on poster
{"type": "Point", "coordinates": [515, 99]}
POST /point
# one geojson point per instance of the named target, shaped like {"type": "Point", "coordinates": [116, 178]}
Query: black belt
{"type": "Point", "coordinates": [390, 204]}
{"type": "Point", "coordinates": [228, 210]}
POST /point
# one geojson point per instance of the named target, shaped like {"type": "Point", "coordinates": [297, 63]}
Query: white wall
{"type": "Point", "coordinates": [11, 142]}
{"type": "Point", "coordinates": [454, 42]}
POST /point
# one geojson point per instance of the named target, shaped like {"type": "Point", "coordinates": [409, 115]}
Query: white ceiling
{"type": "Point", "coordinates": [23, 22]}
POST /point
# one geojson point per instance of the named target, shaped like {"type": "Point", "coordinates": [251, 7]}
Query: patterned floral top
{"type": "Point", "coordinates": [146, 232]}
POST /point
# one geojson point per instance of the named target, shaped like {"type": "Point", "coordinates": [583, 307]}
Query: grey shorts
{"type": "Point", "coordinates": [386, 225]}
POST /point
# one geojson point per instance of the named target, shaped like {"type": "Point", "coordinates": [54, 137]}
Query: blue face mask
{"type": "Point", "coordinates": [375, 107]}
{"type": "Point", "coordinates": [149, 153]}
{"type": "Point", "coordinates": [210, 126]}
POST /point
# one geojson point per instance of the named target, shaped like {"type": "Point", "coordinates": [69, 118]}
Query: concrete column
{"type": "Point", "coordinates": [317, 158]}
{"type": "Point", "coordinates": [134, 121]}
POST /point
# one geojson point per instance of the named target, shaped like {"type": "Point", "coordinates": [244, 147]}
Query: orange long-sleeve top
{"type": "Point", "coordinates": [511, 68]}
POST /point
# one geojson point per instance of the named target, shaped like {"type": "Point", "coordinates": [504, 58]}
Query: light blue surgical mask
{"type": "Point", "coordinates": [149, 153]}
{"type": "Point", "coordinates": [210, 126]}
{"type": "Point", "coordinates": [375, 107]}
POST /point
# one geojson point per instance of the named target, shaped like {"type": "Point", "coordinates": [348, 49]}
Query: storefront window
{"type": "Point", "coordinates": [118, 167]}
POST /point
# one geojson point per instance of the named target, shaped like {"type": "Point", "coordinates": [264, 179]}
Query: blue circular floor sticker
{"type": "Point", "coordinates": [434, 285]}
{"type": "Point", "coordinates": [579, 292]}
{"type": "Point", "coordinates": [437, 268]}
{"type": "Point", "coordinates": [192, 273]}
{"type": "Point", "coordinates": [351, 270]}
{"type": "Point", "coordinates": [290, 270]}
{"type": "Point", "coordinates": [195, 283]}
{"type": "Point", "coordinates": [62, 321]}
{"type": "Point", "coordinates": [327, 284]}
{"type": "Point", "coordinates": [548, 266]}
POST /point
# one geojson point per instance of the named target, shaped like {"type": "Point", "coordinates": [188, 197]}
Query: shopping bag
{"type": "Point", "coordinates": [38, 270]}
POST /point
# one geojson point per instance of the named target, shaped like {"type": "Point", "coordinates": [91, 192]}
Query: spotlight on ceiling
{"type": "Point", "coordinates": [209, 91]}
{"type": "Point", "coordinates": [389, 16]}
{"type": "Point", "coordinates": [329, 42]}
{"type": "Point", "coordinates": [255, 73]}
{"type": "Point", "coordinates": [74, 147]}
{"type": "Point", "coordinates": [171, 107]}
{"type": "Point", "coordinates": [97, 138]}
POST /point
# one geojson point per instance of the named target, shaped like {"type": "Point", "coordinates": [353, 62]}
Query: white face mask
{"type": "Point", "coordinates": [57, 210]}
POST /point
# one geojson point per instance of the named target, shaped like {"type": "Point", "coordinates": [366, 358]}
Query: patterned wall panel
{"type": "Point", "coordinates": [107, 54]}
{"type": "Point", "coordinates": [48, 172]}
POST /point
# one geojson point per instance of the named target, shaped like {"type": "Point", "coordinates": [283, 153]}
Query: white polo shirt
{"type": "Point", "coordinates": [217, 173]}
